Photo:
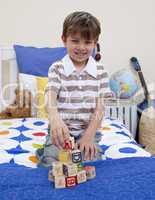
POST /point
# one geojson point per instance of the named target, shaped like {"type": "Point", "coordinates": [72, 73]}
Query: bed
{"type": "Point", "coordinates": [126, 171]}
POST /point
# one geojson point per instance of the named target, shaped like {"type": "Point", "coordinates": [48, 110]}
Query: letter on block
{"type": "Point", "coordinates": [90, 172]}
{"type": "Point", "coordinates": [69, 143]}
{"type": "Point", "coordinates": [70, 181]}
{"type": "Point", "coordinates": [80, 167]}
{"type": "Point", "coordinates": [81, 177]}
{"type": "Point", "coordinates": [70, 169]}
{"type": "Point", "coordinates": [57, 169]}
{"type": "Point", "coordinates": [76, 156]}
{"type": "Point", "coordinates": [60, 182]}
{"type": "Point", "coordinates": [64, 156]}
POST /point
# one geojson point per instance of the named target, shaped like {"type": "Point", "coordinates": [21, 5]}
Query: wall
{"type": "Point", "coordinates": [128, 27]}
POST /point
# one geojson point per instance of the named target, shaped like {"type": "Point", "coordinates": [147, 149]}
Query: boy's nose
{"type": "Point", "coordinates": [81, 46]}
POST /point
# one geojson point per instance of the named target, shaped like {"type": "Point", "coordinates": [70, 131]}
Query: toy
{"type": "Point", "coordinates": [64, 156]}
{"type": "Point", "coordinates": [81, 176]}
{"type": "Point", "coordinates": [76, 156]}
{"type": "Point", "coordinates": [70, 169]}
{"type": "Point", "coordinates": [68, 145]}
{"type": "Point", "coordinates": [90, 172]}
{"type": "Point", "coordinates": [21, 107]}
{"type": "Point", "coordinates": [57, 169]}
{"type": "Point", "coordinates": [60, 182]}
{"type": "Point", "coordinates": [69, 172]}
{"type": "Point", "coordinates": [70, 181]}
{"type": "Point", "coordinates": [80, 167]}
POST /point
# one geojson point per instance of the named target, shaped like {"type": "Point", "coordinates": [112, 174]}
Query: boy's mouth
{"type": "Point", "coordinates": [80, 54]}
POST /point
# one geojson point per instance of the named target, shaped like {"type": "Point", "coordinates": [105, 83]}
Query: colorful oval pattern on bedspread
{"type": "Point", "coordinates": [19, 139]}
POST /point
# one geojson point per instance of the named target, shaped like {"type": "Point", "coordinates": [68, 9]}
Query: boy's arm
{"type": "Point", "coordinates": [87, 141]}
{"type": "Point", "coordinates": [96, 118]}
{"type": "Point", "coordinates": [59, 131]}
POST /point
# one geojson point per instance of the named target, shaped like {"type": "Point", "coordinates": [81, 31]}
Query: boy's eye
{"type": "Point", "coordinates": [88, 42]}
{"type": "Point", "coordinates": [75, 41]}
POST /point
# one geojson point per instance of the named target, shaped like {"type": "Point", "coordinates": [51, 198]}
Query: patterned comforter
{"type": "Point", "coordinates": [19, 139]}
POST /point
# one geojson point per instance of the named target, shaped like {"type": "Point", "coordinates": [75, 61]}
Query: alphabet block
{"type": "Point", "coordinates": [80, 167]}
{"type": "Point", "coordinates": [70, 181]}
{"type": "Point", "coordinates": [70, 169]}
{"type": "Point", "coordinates": [76, 156]}
{"type": "Point", "coordinates": [69, 143]}
{"type": "Point", "coordinates": [64, 156]}
{"type": "Point", "coordinates": [81, 177]}
{"type": "Point", "coordinates": [60, 182]}
{"type": "Point", "coordinates": [57, 169]}
{"type": "Point", "coordinates": [90, 172]}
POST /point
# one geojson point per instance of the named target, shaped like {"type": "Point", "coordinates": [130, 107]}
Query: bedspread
{"type": "Point", "coordinates": [122, 179]}
{"type": "Point", "coordinates": [19, 139]}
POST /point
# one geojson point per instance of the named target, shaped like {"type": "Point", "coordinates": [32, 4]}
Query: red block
{"type": "Point", "coordinates": [71, 181]}
{"type": "Point", "coordinates": [68, 145]}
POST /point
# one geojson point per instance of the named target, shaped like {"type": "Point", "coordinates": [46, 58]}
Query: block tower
{"type": "Point", "coordinates": [69, 170]}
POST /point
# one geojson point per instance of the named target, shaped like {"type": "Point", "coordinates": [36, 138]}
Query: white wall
{"type": "Point", "coordinates": [128, 27]}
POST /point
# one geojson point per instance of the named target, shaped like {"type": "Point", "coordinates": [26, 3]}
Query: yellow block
{"type": "Point", "coordinates": [64, 156]}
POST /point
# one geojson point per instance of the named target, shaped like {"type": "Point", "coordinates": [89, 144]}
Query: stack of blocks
{"type": "Point", "coordinates": [69, 170]}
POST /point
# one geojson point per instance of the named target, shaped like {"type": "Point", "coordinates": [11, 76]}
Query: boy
{"type": "Point", "coordinates": [75, 90]}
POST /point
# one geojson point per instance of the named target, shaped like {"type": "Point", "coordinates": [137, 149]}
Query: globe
{"type": "Point", "coordinates": [124, 84]}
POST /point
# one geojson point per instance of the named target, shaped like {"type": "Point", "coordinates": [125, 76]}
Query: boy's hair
{"type": "Point", "coordinates": [82, 22]}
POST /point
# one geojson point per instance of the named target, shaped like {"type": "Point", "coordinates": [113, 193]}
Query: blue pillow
{"type": "Point", "coordinates": [36, 61]}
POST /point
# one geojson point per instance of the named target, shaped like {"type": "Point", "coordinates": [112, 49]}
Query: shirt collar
{"type": "Point", "coordinates": [69, 66]}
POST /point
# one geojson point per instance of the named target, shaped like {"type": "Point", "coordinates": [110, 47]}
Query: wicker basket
{"type": "Point", "coordinates": [147, 130]}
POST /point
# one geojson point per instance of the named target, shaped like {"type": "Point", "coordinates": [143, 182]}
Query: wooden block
{"type": "Point", "coordinates": [80, 167]}
{"type": "Point", "coordinates": [81, 177]}
{"type": "Point", "coordinates": [69, 143]}
{"type": "Point", "coordinates": [90, 172]}
{"type": "Point", "coordinates": [60, 181]}
{"type": "Point", "coordinates": [64, 156]}
{"type": "Point", "coordinates": [70, 169]}
{"type": "Point", "coordinates": [57, 169]}
{"type": "Point", "coordinates": [76, 156]}
{"type": "Point", "coordinates": [71, 181]}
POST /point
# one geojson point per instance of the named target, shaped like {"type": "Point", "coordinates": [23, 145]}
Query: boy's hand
{"type": "Point", "coordinates": [59, 132]}
{"type": "Point", "coordinates": [86, 145]}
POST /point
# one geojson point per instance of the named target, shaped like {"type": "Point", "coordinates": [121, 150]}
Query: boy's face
{"type": "Point", "coordinates": [79, 49]}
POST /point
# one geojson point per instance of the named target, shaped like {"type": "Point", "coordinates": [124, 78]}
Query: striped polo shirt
{"type": "Point", "coordinates": [77, 92]}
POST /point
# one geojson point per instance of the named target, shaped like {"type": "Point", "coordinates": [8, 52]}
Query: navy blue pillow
{"type": "Point", "coordinates": [36, 61]}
